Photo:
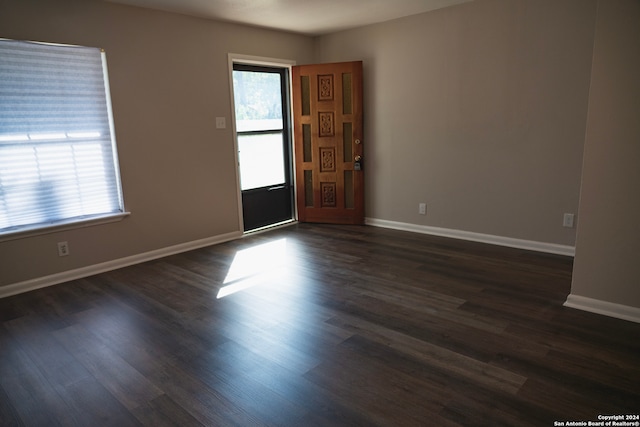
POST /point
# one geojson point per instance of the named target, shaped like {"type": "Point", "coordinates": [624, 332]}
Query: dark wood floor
{"type": "Point", "coordinates": [322, 325]}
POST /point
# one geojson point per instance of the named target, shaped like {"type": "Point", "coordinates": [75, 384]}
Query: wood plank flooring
{"type": "Point", "coordinates": [320, 326]}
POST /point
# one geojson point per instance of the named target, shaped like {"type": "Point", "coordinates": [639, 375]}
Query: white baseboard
{"type": "Point", "coordinates": [531, 245]}
{"type": "Point", "coordinates": [79, 273]}
{"type": "Point", "coordinates": [606, 308]}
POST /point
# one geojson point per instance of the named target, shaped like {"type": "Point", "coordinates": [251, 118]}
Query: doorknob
{"type": "Point", "coordinates": [357, 164]}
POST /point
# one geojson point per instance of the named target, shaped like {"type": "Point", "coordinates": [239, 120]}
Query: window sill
{"type": "Point", "coordinates": [70, 225]}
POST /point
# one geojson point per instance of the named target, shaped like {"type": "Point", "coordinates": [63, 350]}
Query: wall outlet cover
{"type": "Point", "coordinates": [567, 220]}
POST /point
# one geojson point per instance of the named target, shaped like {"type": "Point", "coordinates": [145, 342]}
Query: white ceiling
{"type": "Point", "coordinates": [311, 17]}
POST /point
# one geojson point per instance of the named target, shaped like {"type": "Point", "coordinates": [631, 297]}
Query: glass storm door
{"type": "Point", "coordinates": [262, 126]}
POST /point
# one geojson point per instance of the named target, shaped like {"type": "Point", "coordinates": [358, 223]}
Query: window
{"type": "Point", "coordinates": [258, 95]}
{"type": "Point", "coordinates": [58, 160]}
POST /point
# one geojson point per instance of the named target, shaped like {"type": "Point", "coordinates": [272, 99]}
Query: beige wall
{"type": "Point", "coordinates": [479, 110]}
{"type": "Point", "coordinates": [607, 262]}
{"type": "Point", "coordinates": [169, 80]}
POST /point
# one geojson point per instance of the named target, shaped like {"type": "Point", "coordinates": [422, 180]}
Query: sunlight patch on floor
{"type": "Point", "coordinates": [253, 266]}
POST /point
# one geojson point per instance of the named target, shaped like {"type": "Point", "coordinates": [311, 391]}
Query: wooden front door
{"type": "Point", "coordinates": [327, 112]}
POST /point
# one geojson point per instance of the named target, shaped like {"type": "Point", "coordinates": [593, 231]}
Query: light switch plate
{"type": "Point", "coordinates": [221, 123]}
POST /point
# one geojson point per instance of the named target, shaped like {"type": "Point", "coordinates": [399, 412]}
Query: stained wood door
{"type": "Point", "coordinates": [327, 111]}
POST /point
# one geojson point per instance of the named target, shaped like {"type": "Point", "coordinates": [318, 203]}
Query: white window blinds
{"type": "Point", "coordinates": [58, 161]}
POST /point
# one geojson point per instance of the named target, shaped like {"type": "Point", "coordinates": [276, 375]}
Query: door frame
{"type": "Point", "coordinates": [235, 58]}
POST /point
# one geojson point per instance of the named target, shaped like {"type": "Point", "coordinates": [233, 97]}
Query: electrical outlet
{"type": "Point", "coordinates": [422, 208]}
{"type": "Point", "coordinates": [567, 220]}
{"type": "Point", "coordinates": [63, 248]}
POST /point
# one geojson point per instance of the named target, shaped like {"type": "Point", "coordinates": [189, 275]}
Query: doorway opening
{"type": "Point", "coordinates": [263, 130]}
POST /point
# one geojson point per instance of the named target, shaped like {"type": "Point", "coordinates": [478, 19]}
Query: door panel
{"type": "Point", "coordinates": [266, 206]}
{"type": "Point", "coordinates": [327, 111]}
